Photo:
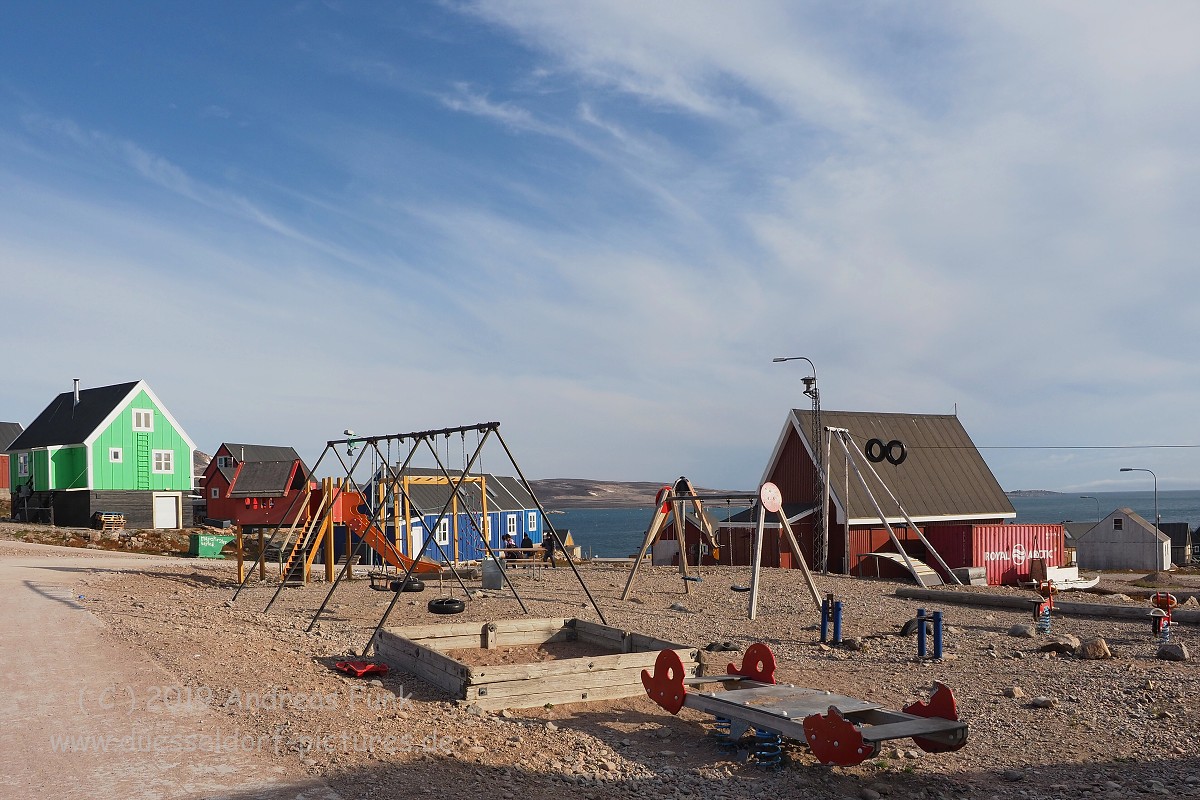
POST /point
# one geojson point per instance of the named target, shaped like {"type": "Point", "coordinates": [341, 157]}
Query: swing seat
{"type": "Point", "coordinates": [693, 578]}
{"type": "Point", "coordinates": [737, 587]}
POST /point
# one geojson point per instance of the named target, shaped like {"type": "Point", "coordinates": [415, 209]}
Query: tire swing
{"type": "Point", "coordinates": [447, 605]}
{"type": "Point", "coordinates": [413, 584]}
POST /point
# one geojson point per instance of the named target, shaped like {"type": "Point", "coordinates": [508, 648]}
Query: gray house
{"type": "Point", "coordinates": [1123, 540]}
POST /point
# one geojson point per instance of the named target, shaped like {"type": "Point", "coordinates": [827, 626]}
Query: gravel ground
{"type": "Point", "coordinates": [1114, 728]}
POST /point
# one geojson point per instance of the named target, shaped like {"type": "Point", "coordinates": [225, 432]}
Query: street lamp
{"type": "Point", "coordinates": [1156, 518]}
{"type": "Point", "coordinates": [820, 528]}
{"type": "Point", "coordinates": [1090, 497]}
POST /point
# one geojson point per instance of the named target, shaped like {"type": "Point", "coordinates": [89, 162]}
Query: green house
{"type": "Point", "coordinates": [111, 449]}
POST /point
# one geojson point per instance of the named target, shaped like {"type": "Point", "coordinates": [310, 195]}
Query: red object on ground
{"type": "Point", "coordinates": [360, 669]}
{"type": "Point", "coordinates": [665, 685]}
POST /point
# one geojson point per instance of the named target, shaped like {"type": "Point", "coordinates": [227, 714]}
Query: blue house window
{"type": "Point", "coordinates": [512, 524]}
{"type": "Point", "coordinates": [532, 521]}
{"type": "Point", "coordinates": [443, 532]}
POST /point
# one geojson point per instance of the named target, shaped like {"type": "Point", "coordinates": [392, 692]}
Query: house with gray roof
{"type": "Point", "coordinates": [1124, 540]}
{"type": "Point", "coordinates": [256, 485]}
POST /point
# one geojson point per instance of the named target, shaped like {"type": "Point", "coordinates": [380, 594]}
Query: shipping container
{"type": "Point", "coordinates": [1005, 551]}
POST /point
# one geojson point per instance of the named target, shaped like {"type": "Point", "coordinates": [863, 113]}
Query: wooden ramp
{"type": "Point", "coordinates": [927, 574]}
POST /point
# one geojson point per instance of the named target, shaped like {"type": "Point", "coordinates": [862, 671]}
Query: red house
{"type": "Point", "coordinates": [9, 431]}
{"type": "Point", "coordinates": [931, 467]}
{"type": "Point", "coordinates": [256, 485]}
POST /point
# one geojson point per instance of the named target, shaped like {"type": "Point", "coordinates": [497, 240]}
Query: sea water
{"type": "Point", "coordinates": [618, 532]}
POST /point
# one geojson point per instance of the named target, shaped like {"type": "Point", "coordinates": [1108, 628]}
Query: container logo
{"type": "Point", "coordinates": [1018, 554]}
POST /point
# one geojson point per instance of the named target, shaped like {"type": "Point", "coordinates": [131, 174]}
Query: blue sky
{"type": "Point", "coordinates": [598, 222]}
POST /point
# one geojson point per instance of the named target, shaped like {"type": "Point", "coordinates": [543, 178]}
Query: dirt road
{"type": "Point", "coordinates": [85, 716]}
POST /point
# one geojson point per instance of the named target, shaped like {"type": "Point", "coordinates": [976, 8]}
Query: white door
{"type": "Point", "coordinates": [166, 511]}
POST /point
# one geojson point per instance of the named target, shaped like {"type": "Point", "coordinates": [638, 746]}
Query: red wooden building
{"type": "Point", "coordinates": [255, 485]}
{"type": "Point", "coordinates": [942, 481]}
{"type": "Point", "coordinates": [9, 431]}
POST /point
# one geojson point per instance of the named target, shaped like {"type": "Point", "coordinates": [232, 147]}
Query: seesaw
{"type": "Point", "coordinates": [840, 730]}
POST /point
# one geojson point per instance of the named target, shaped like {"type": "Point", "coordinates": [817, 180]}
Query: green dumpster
{"type": "Point", "coordinates": [207, 545]}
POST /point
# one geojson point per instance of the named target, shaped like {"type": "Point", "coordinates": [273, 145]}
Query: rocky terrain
{"type": "Point", "coordinates": [1044, 722]}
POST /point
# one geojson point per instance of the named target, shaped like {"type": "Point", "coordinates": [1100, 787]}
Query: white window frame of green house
{"type": "Point", "coordinates": [115, 455]}
{"type": "Point", "coordinates": [512, 524]}
{"type": "Point", "coordinates": [164, 462]}
{"type": "Point", "coordinates": [23, 465]}
{"type": "Point", "coordinates": [443, 532]}
{"type": "Point", "coordinates": [143, 420]}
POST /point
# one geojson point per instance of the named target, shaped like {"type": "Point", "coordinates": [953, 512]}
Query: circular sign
{"type": "Point", "coordinates": [772, 500]}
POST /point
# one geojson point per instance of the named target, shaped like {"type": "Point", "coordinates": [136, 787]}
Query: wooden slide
{"type": "Point", "coordinates": [364, 526]}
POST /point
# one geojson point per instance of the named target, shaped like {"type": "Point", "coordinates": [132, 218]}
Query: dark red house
{"type": "Point", "coordinates": [941, 481]}
{"type": "Point", "coordinates": [256, 485]}
{"type": "Point", "coordinates": [9, 431]}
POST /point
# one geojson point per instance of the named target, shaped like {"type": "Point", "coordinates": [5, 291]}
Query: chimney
{"type": "Point", "coordinates": [77, 391]}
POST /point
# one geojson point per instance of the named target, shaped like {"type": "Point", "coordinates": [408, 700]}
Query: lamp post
{"type": "Point", "coordinates": [1155, 477]}
{"type": "Point", "coordinates": [820, 529]}
{"type": "Point", "coordinates": [1090, 497]}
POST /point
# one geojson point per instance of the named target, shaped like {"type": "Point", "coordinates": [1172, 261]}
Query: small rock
{"type": "Point", "coordinates": [1061, 643]}
{"type": "Point", "coordinates": [1041, 701]}
{"type": "Point", "coordinates": [1014, 692]}
{"type": "Point", "coordinates": [550, 726]}
{"type": "Point", "coordinates": [1012, 775]}
{"type": "Point", "coordinates": [679, 607]}
{"type": "Point", "coordinates": [1021, 631]}
{"type": "Point", "coordinates": [1173, 651]}
{"type": "Point", "coordinates": [852, 644]}
{"type": "Point", "coordinates": [869, 794]}
{"type": "Point", "coordinates": [1094, 649]}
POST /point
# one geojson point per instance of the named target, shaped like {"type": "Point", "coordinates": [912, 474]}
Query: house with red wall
{"type": "Point", "coordinates": [9, 431]}
{"type": "Point", "coordinates": [935, 472]}
{"type": "Point", "coordinates": [256, 485]}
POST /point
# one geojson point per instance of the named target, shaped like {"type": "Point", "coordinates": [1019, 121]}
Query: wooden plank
{"type": "Point", "coordinates": [546, 624]}
{"type": "Point", "coordinates": [629, 676]}
{"type": "Point", "coordinates": [418, 632]}
{"type": "Point", "coordinates": [415, 651]}
{"type": "Point", "coordinates": [604, 635]}
{"type": "Point", "coordinates": [517, 638]}
{"type": "Point", "coordinates": [641, 643]}
{"type": "Point", "coordinates": [564, 697]}
{"type": "Point", "coordinates": [426, 670]}
{"type": "Point", "coordinates": [911, 727]}
{"type": "Point", "coordinates": [569, 666]}
{"type": "Point", "coordinates": [444, 643]}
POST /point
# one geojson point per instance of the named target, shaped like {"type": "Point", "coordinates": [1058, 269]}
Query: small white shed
{"type": "Point", "coordinates": [1123, 540]}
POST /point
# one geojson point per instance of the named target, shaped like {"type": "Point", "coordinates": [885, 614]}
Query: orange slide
{"type": "Point", "coordinates": [363, 526]}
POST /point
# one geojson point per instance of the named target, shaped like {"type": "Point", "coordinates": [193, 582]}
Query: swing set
{"type": "Point", "coordinates": [368, 519]}
{"type": "Point", "coordinates": [671, 502]}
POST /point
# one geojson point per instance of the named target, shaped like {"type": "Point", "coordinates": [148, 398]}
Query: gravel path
{"type": "Point", "coordinates": [1114, 728]}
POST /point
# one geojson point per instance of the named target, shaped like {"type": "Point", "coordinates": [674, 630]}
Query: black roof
{"type": "Point", "coordinates": [263, 479]}
{"type": "Point", "coordinates": [8, 432]}
{"type": "Point", "coordinates": [259, 452]}
{"type": "Point", "coordinates": [63, 422]}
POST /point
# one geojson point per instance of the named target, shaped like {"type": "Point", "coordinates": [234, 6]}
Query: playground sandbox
{"type": "Point", "coordinates": [569, 660]}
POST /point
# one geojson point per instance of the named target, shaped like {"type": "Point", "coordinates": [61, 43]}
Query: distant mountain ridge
{"type": "Point", "coordinates": [564, 493]}
{"type": "Point", "coordinates": [1032, 493]}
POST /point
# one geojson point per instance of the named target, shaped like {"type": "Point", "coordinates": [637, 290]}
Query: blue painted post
{"type": "Point", "coordinates": [920, 633]}
{"type": "Point", "coordinates": [937, 634]}
{"type": "Point", "coordinates": [824, 620]}
{"type": "Point", "coordinates": [837, 622]}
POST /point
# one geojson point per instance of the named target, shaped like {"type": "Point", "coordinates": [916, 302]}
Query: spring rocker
{"type": "Point", "coordinates": [840, 731]}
